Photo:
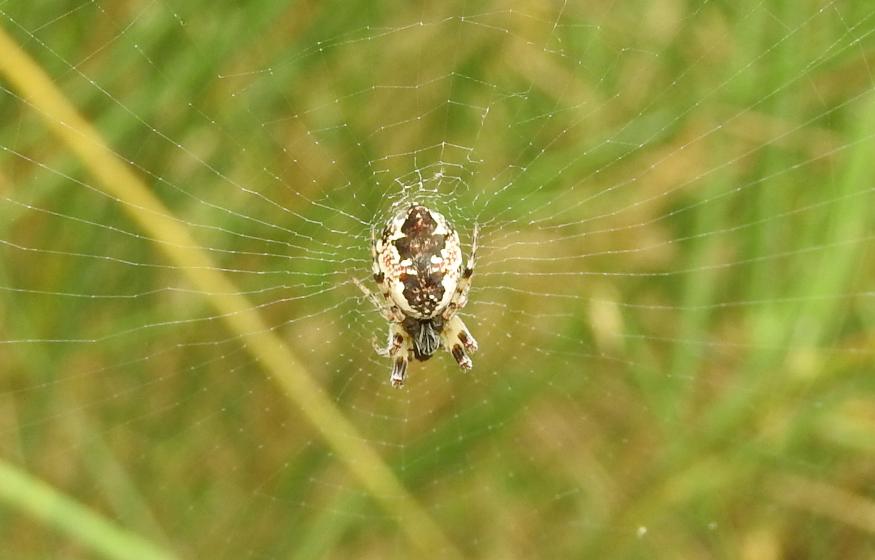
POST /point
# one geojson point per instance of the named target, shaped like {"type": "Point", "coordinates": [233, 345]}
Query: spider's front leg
{"type": "Point", "coordinates": [399, 348]}
{"type": "Point", "coordinates": [458, 341]}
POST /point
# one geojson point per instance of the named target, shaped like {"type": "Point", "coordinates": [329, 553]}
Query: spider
{"type": "Point", "coordinates": [417, 263]}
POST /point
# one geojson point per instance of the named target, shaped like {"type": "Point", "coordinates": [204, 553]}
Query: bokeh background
{"type": "Point", "coordinates": [674, 297]}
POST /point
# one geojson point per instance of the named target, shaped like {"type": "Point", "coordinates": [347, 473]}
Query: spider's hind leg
{"type": "Point", "coordinates": [389, 311]}
{"type": "Point", "coordinates": [460, 297]}
{"type": "Point", "coordinates": [458, 341]}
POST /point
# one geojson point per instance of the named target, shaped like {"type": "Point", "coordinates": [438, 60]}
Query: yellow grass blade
{"type": "Point", "coordinates": [279, 361]}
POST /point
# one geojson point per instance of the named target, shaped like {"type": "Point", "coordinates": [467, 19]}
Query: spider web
{"type": "Point", "coordinates": [673, 294]}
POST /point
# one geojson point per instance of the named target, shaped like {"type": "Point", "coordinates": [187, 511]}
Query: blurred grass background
{"type": "Point", "coordinates": [674, 300]}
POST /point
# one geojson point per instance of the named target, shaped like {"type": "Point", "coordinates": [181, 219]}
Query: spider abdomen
{"type": "Point", "coordinates": [420, 257]}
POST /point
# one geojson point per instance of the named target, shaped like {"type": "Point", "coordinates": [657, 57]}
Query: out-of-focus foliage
{"type": "Point", "coordinates": [674, 298]}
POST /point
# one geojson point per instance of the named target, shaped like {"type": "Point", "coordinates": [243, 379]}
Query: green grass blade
{"type": "Point", "coordinates": [40, 500]}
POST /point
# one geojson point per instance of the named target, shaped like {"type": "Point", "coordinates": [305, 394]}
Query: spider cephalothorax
{"type": "Point", "coordinates": [418, 265]}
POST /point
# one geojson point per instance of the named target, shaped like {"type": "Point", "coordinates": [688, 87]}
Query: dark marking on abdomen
{"type": "Point", "coordinates": [423, 290]}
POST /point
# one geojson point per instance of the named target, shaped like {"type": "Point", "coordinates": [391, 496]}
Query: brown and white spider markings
{"type": "Point", "coordinates": [418, 265]}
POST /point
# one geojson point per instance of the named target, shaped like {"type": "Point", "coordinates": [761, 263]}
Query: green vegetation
{"type": "Point", "coordinates": [674, 297]}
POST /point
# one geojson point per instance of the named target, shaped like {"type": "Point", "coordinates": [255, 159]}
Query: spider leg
{"type": "Point", "coordinates": [396, 341]}
{"type": "Point", "coordinates": [389, 311]}
{"type": "Point", "coordinates": [374, 264]}
{"type": "Point", "coordinates": [399, 349]}
{"type": "Point", "coordinates": [458, 341]}
{"type": "Point", "coordinates": [460, 297]}
{"type": "Point", "coordinates": [399, 371]}
{"type": "Point", "coordinates": [471, 260]}
{"type": "Point", "coordinates": [399, 345]}
{"type": "Point", "coordinates": [379, 305]}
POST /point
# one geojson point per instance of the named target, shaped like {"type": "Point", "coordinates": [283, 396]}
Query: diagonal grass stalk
{"type": "Point", "coordinates": [180, 248]}
{"type": "Point", "coordinates": [44, 502]}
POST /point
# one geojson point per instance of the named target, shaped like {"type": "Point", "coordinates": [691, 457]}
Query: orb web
{"type": "Point", "coordinates": [672, 296]}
